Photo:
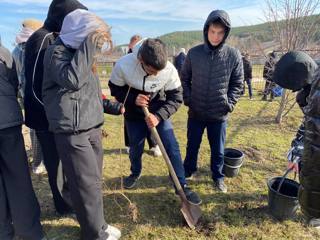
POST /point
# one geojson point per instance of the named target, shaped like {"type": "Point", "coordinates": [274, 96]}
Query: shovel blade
{"type": "Point", "coordinates": [191, 214]}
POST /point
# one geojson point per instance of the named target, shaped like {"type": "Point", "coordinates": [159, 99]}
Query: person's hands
{"type": "Point", "coordinates": [142, 100]}
{"type": "Point", "coordinates": [294, 166]}
{"type": "Point", "coordinates": [122, 110]}
{"type": "Point", "coordinates": [152, 121]}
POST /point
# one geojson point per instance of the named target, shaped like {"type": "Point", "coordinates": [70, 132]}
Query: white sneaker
{"type": "Point", "coordinates": [128, 150]}
{"type": "Point", "coordinates": [39, 169]}
{"type": "Point", "coordinates": [156, 151]}
{"type": "Point", "coordinates": [111, 237]}
{"type": "Point", "coordinates": [113, 231]}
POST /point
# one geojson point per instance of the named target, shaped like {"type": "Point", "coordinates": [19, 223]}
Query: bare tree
{"type": "Point", "coordinates": [294, 29]}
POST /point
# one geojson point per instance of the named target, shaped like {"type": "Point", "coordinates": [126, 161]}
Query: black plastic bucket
{"type": "Point", "coordinates": [233, 160]}
{"type": "Point", "coordinates": [283, 204]}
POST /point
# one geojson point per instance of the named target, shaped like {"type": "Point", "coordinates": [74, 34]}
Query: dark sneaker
{"type": "Point", "coordinates": [130, 182]}
{"type": "Point", "coordinates": [314, 222]}
{"type": "Point", "coordinates": [220, 186]}
{"type": "Point", "coordinates": [191, 196]}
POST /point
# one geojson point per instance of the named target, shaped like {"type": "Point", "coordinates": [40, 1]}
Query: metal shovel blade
{"type": "Point", "coordinates": [191, 214]}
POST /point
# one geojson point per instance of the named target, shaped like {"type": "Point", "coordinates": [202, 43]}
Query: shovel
{"type": "Point", "coordinates": [190, 212]}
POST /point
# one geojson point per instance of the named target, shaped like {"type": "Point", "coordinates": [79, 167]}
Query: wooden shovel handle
{"type": "Point", "coordinates": [173, 174]}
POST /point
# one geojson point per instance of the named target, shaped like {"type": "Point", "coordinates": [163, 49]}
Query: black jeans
{"type": "Point", "coordinates": [82, 159]}
{"type": "Point", "coordinates": [248, 81]}
{"type": "Point", "coordinates": [19, 208]}
{"type": "Point", "coordinates": [51, 161]}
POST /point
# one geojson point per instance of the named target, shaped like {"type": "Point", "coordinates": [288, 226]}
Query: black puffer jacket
{"type": "Point", "coordinates": [247, 68]}
{"type": "Point", "coordinates": [71, 91]}
{"type": "Point", "coordinates": [35, 116]}
{"type": "Point", "coordinates": [309, 192]}
{"type": "Point", "coordinates": [10, 112]}
{"type": "Point", "coordinates": [212, 77]}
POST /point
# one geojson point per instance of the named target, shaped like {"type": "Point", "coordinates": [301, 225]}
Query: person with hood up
{"type": "Point", "coordinates": [35, 117]}
{"type": "Point", "coordinates": [179, 60]}
{"type": "Point", "coordinates": [29, 26]}
{"type": "Point", "coordinates": [297, 71]}
{"type": "Point", "coordinates": [19, 208]}
{"type": "Point", "coordinates": [146, 78]}
{"type": "Point", "coordinates": [73, 104]}
{"type": "Point", "coordinates": [212, 78]}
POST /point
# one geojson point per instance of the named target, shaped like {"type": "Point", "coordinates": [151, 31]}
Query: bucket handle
{"type": "Point", "coordinates": [234, 167]}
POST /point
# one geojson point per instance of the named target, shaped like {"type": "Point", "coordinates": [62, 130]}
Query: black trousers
{"type": "Point", "coordinates": [19, 208]}
{"type": "Point", "coordinates": [51, 161]}
{"type": "Point", "coordinates": [82, 159]}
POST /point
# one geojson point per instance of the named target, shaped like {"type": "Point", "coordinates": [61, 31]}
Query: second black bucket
{"type": "Point", "coordinates": [233, 160]}
{"type": "Point", "coordinates": [283, 204]}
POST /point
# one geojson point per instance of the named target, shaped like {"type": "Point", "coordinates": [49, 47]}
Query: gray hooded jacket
{"type": "Point", "coordinates": [10, 112]}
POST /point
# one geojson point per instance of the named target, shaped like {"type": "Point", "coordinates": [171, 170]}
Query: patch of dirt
{"type": "Point", "coordinates": [253, 154]}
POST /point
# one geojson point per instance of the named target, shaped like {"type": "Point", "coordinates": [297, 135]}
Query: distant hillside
{"type": "Point", "coordinates": [261, 32]}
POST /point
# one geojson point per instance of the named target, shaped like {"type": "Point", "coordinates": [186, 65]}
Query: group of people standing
{"type": "Point", "coordinates": [63, 104]}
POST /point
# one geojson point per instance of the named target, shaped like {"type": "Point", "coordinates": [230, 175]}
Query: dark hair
{"type": "Point", "coordinates": [153, 53]}
{"type": "Point", "coordinates": [218, 22]}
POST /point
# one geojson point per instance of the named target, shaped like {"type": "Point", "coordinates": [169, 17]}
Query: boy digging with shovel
{"type": "Point", "coordinates": [146, 79]}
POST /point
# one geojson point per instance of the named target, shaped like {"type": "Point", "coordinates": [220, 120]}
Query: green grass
{"type": "Point", "coordinates": [242, 213]}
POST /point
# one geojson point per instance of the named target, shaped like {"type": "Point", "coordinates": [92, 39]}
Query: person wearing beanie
{"type": "Point", "coordinates": [73, 104]}
{"type": "Point", "coordinates": [35, 117]}
{"type": "Point", "coordinates": [212, 80]}
{"type": "Point", "coordinates": [29, 26]}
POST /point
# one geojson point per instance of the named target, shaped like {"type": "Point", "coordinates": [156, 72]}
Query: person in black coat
{"type": "Point", "coordinates": [179, 60]}
{"type": "Point", "coordinates": [19, 208]}
{"type": "Point", "coordinates": [268, 70]}
{"type": "Point", "coordinates": [212, 79]}
{"type": "Point", "coordinates": [247, 67]}
{"type": "Point", "coordinates": [298, 72]}
{"type": "Point", "coordinates": [35, 117]}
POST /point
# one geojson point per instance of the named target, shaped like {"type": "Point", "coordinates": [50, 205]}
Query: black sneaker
{"type": "Point", "coordinates": [130, 182]}
{"type": "Point", "coordinates": [314, 222]}
{"type": "Point", "coordinates": [220, 186]}
{"type": "Point", "coordinates": [191, 196]}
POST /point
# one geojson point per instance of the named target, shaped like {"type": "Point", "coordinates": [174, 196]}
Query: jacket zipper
{"type": "Point", "coordinates": [144, 82]}
{"type": "Point", "coordinates": [76, 116]}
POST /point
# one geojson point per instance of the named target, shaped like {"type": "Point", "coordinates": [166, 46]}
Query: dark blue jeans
{"type": "Point", "coordinates": [216, 132]}
{"type": "Point", "coordinates": [138, 131]}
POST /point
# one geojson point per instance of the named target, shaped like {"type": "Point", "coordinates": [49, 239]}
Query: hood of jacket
{"type": "Point", "coordinates": [216, 16]}
{"type": "Point", "coordinates": [58, 10]}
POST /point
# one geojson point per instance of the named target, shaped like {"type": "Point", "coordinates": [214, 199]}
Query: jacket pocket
{"type": "Point", "coordinates": [76, 115]}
